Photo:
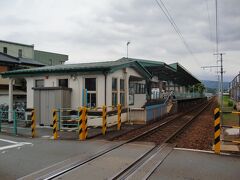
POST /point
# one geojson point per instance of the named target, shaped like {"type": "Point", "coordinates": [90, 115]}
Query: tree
{"type": "Point", "coordinates": [200, 88]}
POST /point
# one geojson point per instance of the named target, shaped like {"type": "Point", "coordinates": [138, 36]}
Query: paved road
{"type": "Point", "coordinates": [22, 156]}
{"type": "Point", "coordinates": [109, 164]}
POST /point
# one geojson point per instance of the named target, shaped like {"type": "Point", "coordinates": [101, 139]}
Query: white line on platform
{"type": "Point", "coordinates": [46, 136]}
{"type": "Point", "coordinates": [203, 151]}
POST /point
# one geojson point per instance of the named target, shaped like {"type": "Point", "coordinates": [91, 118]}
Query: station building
{"type": "Point", "coordinates": [141, 86]}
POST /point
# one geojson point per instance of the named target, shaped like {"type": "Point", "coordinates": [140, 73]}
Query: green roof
{"type": "Point", "coordinates": [147, 68]}
{"type": "Point", "coordinates": [107, 66]}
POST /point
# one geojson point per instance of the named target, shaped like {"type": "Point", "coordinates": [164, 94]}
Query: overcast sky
{"type": "Point", "coordinates": [91, 31]}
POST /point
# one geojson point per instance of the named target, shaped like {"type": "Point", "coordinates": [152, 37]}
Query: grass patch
{"type": "Point", "coordinates": [227, 102]}
{"type": "Point", "coordinates": [229, 118]}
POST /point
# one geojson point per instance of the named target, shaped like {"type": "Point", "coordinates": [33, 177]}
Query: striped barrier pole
{"type": "Point", "coordinates": [59, 119]}
{"type": "Point", "coordinates": [119, 108]}
{"type": "Point", "coordinates": [80, 129]}
{"type": "Point", "coordinates": [217, 131]}
{"type": "Point", "coordinates": [55, 135]}
{"type": "Point", "coordinates": [104, 120]}
{"type": "Point", "coordinates": [33, 122]}
{"type": "Point", "coordinates": [85, 123]}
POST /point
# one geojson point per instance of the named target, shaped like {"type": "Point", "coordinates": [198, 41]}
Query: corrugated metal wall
{"type": "Point", "coordinates": [45, 100]}
{"type": "Point", "coordinates": [155, 112]}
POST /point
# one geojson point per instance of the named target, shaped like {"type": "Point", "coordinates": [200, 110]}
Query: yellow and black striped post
{"type": "Point", "coordinates": [55, 135]}
{"type": "Point", "coordinates": [104, 120]}
{"type": "Point", "coordinates": [217, 131]}
{"type": "Point", "coordinates": [81, 131]}
{"type": "Point", "coordinates": [119, 108]}
{"type": "Point", "coordinates": [33, 123]}
{"type": "Point", "coordinates": [85, 123]}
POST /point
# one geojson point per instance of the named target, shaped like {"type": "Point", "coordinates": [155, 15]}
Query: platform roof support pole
{"type": "Point", "coordinates": [10, 103]}
{"type": "Point", "coordinates": [160, 86]}
{"type": "Point", "coordinates": [126, 86]}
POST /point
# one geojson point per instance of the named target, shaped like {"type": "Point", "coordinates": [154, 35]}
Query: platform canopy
{"type": "Point", "coordinates": [156, 68]}
{"type": "Point", "coordinates": [172, 72]}
{"type": "Point", "coordinates": [183, 76]}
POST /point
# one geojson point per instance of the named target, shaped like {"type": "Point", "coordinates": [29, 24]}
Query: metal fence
{"type": "Point", "coordinates": [22, 120]}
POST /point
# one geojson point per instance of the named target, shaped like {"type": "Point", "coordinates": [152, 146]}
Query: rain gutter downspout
{"type": "Point", "coordinates": [105, 87]}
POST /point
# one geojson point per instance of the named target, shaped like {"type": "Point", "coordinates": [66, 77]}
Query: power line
{"type": "Point", "coordinates": [174, 25]}
{"type": "Point", "coordinates": [216, 26]}
{"type": "Point", "coordinates": [209, 22]}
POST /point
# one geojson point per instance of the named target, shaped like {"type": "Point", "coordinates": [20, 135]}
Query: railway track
{"type": "Point", "coordinates": [162, 134]}
{"type": "Point", "coordinates": [144, 166]}
{"type": "Point", "coordinates": [146, 131]}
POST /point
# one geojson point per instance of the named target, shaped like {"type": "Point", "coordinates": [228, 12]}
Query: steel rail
{"type": "Point", "coordinates": [179, 130]}
{"type": "Point", "coordinates": [70, 167]}
{"type": "Point", "coordinates": [125, 173]}
{"type": "Point", "coordinates": [153, 129]}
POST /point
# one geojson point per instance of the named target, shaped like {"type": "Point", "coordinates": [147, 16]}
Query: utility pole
{"type": "Point", "coordinates": [221, 71]}
{"type": "Point", "coordinates": [220, 90]}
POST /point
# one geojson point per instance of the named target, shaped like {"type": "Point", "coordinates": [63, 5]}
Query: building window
{"type": "Point", "coordinates": [122, 98]}
{"type": "Point", "coordinates": [5, 50]}
{"type": "Point", "coordinates": [39, 83]}
{"type": "Point", "coordinates": [63, 83]}
{"type": "Point", "coordinates": [90, 85]}
{"type": "Point", "coordinates": [122, 92]}
{"type": "Point", "coordinates": [138, 88]}
{"type": "Point", "coordinates": [50, 62]}
{"type": "Point", "coordinates": [114, 99]}
{"type": "Point", "coordinates": [114, 84]}
{"type": "Point", "coordinates": [122, 85]}
{"type": "Point", "coordinates": [131, 94]}
{"type": "Point", "coordinates": [20, 53]}
{"type": "Point", "coordinates": [114, 92]}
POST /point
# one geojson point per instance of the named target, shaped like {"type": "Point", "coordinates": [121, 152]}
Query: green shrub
{"type": "Point", "coordinates": [230, 103]}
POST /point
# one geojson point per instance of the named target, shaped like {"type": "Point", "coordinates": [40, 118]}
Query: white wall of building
{"type": "Point", "coordinates": [139, 100]}
{"type": "Point", "coordinates": [77, 83]}
{"type": "Point", "coordinates": [30, 85]}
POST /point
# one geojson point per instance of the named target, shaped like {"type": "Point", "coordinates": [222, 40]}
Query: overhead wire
{"type": "Point", "coordinates": [175, 27]}
{"type": "Point", "coordinates": [209, 24]}
{"type": "Point", "coordinates": [216, 25]}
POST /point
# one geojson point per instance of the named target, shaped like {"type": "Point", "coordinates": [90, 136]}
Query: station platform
{"type": "Point", "coordinates": [194, 164]}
